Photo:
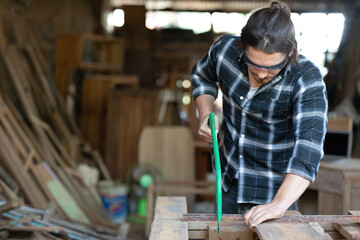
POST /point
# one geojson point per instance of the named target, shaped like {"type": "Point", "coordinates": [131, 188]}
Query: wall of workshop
{"type": "Point", "coordinates": [48, 19]}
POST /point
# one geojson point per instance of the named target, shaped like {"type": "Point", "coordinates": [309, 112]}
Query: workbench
{"type": "Point", "coordinates": [171, 221]}
{"type": "Point", "coordinates": [337, 186]}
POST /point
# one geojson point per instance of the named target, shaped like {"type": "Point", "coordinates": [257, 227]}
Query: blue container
{"type": "Point", "coordinates": [114, 199]}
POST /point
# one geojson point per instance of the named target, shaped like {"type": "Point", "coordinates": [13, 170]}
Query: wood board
{"type": "Point", "coordinates": [128, 112]}
{"type": "Point", "coordinates": [170, 149]}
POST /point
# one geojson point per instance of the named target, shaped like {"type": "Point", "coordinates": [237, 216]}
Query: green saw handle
{"type": "Point", "coordinates": [217, 169]}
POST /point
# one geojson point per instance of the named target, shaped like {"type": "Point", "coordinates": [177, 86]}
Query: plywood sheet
{"type": "Point", "coordinates": [171, 150]}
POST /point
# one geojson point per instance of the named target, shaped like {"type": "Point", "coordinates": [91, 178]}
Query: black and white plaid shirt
{"type": "Point", "coordinates": [280, 130]}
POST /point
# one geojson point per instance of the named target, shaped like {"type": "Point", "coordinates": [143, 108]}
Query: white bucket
{"type": "Point", "coordinates": [114, 199]}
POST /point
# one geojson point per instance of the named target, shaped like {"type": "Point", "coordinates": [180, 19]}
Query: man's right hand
{"type": "Point", "coordinates": [204, 129]}
{"type": "Point", "coordinates": [204, 104]}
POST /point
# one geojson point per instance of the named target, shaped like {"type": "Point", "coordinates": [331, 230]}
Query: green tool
{"type": "Point", "coordinates": [217, 169]}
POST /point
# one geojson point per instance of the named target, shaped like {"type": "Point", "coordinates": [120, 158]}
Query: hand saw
{"type": "Point", "coordinates": [215, 149]}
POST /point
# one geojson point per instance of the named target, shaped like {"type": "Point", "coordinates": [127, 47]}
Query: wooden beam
{"type": "Point", "coordinates": [349, 230]}
{"type": "Point", "coordinates": [284, 219]}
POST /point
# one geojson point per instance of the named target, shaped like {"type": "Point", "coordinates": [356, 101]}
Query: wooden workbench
{"type": "Point", "coordinates": [338, 186]}
{"type": "Point", "coordinates": [171, 221]}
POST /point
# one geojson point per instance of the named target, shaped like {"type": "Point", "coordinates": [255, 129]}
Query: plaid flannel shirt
{"type": "Point", "coordinates": [280, 130]}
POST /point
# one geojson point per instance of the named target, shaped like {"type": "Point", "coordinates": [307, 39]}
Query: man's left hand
{"type": "Point", "coordinates": [261, 213]}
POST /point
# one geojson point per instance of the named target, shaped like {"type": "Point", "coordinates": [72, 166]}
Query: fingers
{"type": "Point", "coordinates": [217, 124]}
{"type": "Point", "coordinates": [258, 217]}
{"type": "Point", "coordinates": [261, 213]}
{"type": "Point", "coordinates": [248, 215]}
{"type": "Point", "coordinates": [255, 216]}
{"type": "Point", "coordinates": [204, 130]}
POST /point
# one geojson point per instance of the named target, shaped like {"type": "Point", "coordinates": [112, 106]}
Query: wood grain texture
{"type": "Point", "coordinates": [229, 231]}
{"type": "Point", "coordinates": [171, 150]}
{"type": "Point", "coordinates": [129, 111]}
{"type": "Point", "coordinates": [167, 222]}
{"type": "Point", "coordinates": [349, 231]}
{"type": "Point", "coordinates": [94, 105]}
{"type": "Point", "coordinates": [338, 186]}
{"type": "Point", "coordinates": [77, 52]}
{"type": "Point", "coordinates": [279, 231]}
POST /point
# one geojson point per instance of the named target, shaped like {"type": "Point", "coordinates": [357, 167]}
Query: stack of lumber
{"type": "Point", "coordinates": [40, 145]}
{"type": "Point", "coordinates": [33, 223]}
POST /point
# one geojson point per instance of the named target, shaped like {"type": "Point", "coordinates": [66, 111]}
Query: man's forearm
{"type": "Point", "coordinates": [204, 104]}
{"type": "Point", "coordinates": [291, 189]}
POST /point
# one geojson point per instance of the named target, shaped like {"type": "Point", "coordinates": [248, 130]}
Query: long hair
{"type": "Point", "coordinates": [271, 30]}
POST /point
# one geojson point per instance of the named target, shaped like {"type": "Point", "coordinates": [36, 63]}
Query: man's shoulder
{"type": "Point", "coordinates": [305, 65]}
{"type": "Point", "coordinates": [228, 41]}
{"type": "Point", "coordinates": [306, 68]}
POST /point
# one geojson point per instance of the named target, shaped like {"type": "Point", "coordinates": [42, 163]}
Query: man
{"type": "Point", "coordinates": [274, 115]}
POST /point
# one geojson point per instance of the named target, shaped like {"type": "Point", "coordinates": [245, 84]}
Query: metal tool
{"type": "Point", "coordinates": [215, 149]}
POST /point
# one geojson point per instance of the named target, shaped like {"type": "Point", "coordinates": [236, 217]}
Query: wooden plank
{"type": "Point", "coordinates": [230, 231]}
{"type": "Point", "coordinates": [349, 231]}
{"type": "Point", "coordinates": [355, 213]}
{"type": "Point", "coordinates": [170, 208]}
{"type": "Point", "coordinates": [94, 104]}
{"type": "Point", "coordinates": [279, 231]}
{"type": "Point", "coordinates": [27, 183]}
{"type": "Point", "coordinates": [168, 219]}
{"type": "Point", "coordinates": [167, 229]}
{"type": "Point", "coordinates": [86, 200]}
{"type": "Point", "coordinates": [284, 219]}
{"type": "Point", "coordinates": [199, 234]}
{"type": "Point", "coordinates": [2, 36]}
{"type": "Point", "coordinates": [43, 80]}
{"type": "Point", "coordinates": [11, 59]}
{"type": "Point", "coordinates": [175, 158]}
{"type": "Point", "coordinates": [128, 112]}
{"type": "Point", "coordinates": [36, 46]}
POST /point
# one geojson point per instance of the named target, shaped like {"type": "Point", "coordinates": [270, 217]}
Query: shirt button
{"type": "Point", "coordinates": [241, 97]}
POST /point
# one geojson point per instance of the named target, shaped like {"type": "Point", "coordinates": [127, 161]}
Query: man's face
{"type": "Point", "coordinates": [263, 66]}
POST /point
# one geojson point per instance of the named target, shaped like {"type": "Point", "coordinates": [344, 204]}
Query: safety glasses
{"type": "Point", "coordinates": [273, 68]}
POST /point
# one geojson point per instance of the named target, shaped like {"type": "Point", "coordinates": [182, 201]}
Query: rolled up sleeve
{"type": "Point", "coordinates": [310, 125]}
{"type": "Point", "coordinates": [204, 73]}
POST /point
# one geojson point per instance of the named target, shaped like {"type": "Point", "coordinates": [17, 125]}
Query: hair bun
{"type": "Point", "coordinates": [279, 5]}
